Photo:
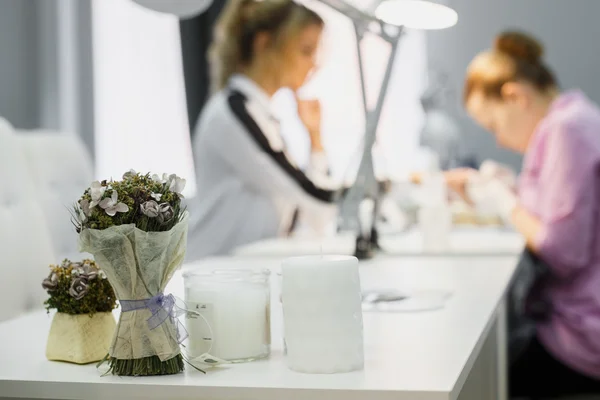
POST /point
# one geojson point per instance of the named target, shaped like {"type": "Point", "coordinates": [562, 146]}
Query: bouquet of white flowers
{"type": "Point", "coordinates": [136, 229]}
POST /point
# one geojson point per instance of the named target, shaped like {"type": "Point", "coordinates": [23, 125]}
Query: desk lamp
{"type": "Point", "coordinates": [386, 19]}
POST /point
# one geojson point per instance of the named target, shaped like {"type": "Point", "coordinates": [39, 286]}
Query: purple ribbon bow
{"type": "Point", "coordinates": [161, 307]}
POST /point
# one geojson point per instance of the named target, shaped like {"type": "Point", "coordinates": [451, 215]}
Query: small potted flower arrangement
{"type": "Point", "coordinates": [83, 325]}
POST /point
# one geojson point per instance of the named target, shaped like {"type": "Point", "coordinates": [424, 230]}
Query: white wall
{"type": "Point", "coordinates": [139, 99]}
{"type": "Point", "coordinates": [336, 84]}
{"type": "Point", "coordinates": [569, 28]}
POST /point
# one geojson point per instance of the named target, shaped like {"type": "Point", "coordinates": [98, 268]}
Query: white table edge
{"type": "Point", "coordinates": [499, 312]}
{"type": "Point", "coordinates": [97, 390]}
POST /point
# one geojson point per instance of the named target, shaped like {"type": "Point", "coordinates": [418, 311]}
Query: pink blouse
{"type": "Point", "coordinates": [560, 184]}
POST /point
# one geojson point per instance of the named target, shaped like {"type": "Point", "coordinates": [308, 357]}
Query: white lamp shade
{"type": "Point", "coordinates": [180, 8]}
{"type": "Point", "coordinates": [416, 14]}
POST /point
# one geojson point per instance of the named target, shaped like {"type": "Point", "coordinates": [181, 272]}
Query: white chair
{"type": "Point", "coordinates": [61, 167]}
{"type": "Point", "coordinates": [24, 235]}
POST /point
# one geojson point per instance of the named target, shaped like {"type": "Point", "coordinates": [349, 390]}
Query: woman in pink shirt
{"type": "Point", "coordinates": [512, 93]}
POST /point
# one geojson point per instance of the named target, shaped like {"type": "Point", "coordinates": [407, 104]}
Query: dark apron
{"type": "Point", "coordinates": [527, 304]}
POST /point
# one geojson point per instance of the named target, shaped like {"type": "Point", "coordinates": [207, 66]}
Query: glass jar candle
{"type": "Point", "coordinates": [234, 306]}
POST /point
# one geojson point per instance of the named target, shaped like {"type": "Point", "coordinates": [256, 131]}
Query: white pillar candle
{"type": "Point", "coordinates": [322, 314]}
{"type": "Point", "coordinates": [235, 309]}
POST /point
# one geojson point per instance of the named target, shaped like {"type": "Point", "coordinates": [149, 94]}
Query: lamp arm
{"type": "Point", "coordinates": [366, 21]}
{"type": "Point", "coordinates": [354, 13]}
{"type": "Point", "coordinates": [366, 184]}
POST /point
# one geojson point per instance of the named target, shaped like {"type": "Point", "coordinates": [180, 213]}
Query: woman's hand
{"type": "Point", "coordinates": [456, 179]}
{"type": "Point", "coordinates": [494, 193]}
{"type": "Point", "coordinates": [491, 169]}
{"type": "Point", "coordinates": [310, 115]}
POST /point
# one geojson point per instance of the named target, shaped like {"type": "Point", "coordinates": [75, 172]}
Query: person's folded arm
{"type": "Point", "coordinates": [564, 233]}
{"type": "Point", "coordinates": [267, 169]}
{"type": "Point", "coordinates": [318, 165]}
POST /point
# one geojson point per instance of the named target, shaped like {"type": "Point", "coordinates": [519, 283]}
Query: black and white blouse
{"type": "Point", "coordinates": [249, 188]}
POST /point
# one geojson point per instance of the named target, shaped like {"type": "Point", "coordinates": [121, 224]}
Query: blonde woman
{"type": "Point", "coordinates": [248, 187]}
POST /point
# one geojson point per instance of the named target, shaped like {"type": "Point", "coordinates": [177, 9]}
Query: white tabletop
{"type": "Point", "coordinates": [463, 242]}
{"type": "Point", "coordinates": [407, 355]}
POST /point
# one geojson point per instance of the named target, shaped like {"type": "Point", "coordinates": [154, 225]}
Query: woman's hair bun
{"type": "Point", "coordinates": [520, 46]}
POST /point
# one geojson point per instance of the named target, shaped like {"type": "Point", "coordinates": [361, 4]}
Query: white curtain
{"type": "Point", "coordinates": [140, 110]}
{"type": "Point", "coordinates": [337, 85]}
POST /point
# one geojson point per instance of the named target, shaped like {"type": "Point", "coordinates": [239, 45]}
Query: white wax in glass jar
{"type": "Point", "coordinates": [235, 306]}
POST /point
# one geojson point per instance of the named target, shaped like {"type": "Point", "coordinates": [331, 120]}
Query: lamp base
{"type": "Point", "coordinates": [367, 247]}
{"type": "Point", "coordinates": [364, 248]}
{"type": "Point", "coordinates": [375, 240]}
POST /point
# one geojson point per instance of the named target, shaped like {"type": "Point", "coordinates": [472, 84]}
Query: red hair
{"type": "Point", "coordinates": [522, 55]}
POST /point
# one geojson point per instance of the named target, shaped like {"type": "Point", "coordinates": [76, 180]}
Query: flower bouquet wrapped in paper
{"type": "Point", "coordinates": [136, 229]}
{"type": "Point", "coordinates": [83, 326]}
